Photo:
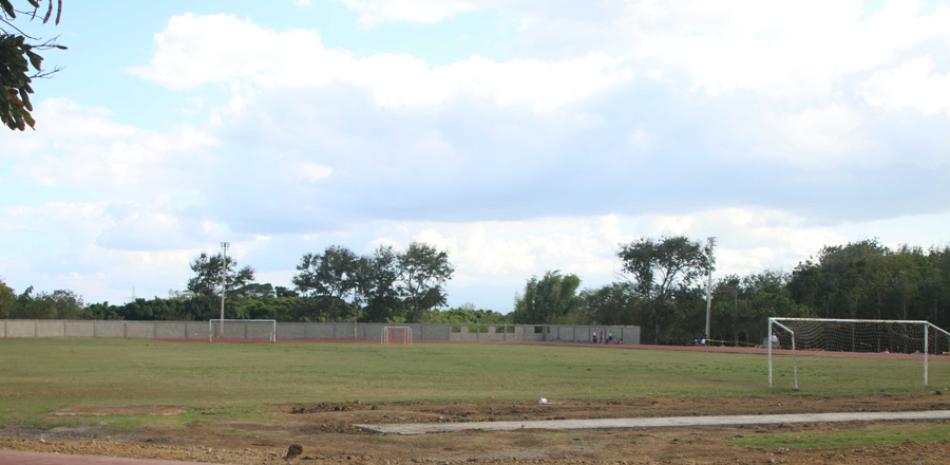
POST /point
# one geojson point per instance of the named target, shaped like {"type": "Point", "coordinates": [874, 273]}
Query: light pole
{"type": "Point", "coordinates": [710, 245]}
{"type": "Point", "coordinates": [224, 283]}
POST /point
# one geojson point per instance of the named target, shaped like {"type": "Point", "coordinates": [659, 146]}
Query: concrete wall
{"type": "Point", "coordinates": [80, 328]}
{"type": "Point", "coordinates": [139, 329]}
{"type": "Point", "coordinates": [176, 330]}
{"type": "Point", "coordinates": [198, 330]}
{"type": "Point", "coordinates": [291, 331]}
{"type": "Point", "coordinates": [109, 329]}
{"type": "Point", "coordinates": [50, 328]}
{"type": "Point", "coordinates": [21, 328]}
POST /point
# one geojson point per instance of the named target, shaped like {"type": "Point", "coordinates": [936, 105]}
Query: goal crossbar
{"type": "Point", "coordinates": [923, 338]}
{"type": "Point", "coordinates": [272, 337]}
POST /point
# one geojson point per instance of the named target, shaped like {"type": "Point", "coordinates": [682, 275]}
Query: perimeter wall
{"type": "Point", "coordinates": [239, 330]}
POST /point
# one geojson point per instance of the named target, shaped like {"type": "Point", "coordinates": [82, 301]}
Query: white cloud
{"type": "Point", "coordinates": [373, 12]}
{"type": "Point", "coordinates": [822, 134]}
{"type": "Point", "coordinates": [802, 50]}
{"type": "Point", "coordinates": [507, 252]}
{"type": "Point", "coordinates": [85, 146]}
{"type": "Point", "coordinates": [913, 84]}
{"type": "Point", "coordinates": [313, 172]}
{"type": "Point", "coordinates": [221, 49]}
{"type": "Point", "coordinates": [777, 50]}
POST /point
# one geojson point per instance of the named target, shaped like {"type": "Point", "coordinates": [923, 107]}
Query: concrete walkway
{"type": "Point", "coordinates": [9, 457]}
{"type": "Point", "coordinates": [660, 422]}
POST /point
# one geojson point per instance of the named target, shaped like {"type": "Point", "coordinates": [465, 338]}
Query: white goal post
{"type": "Point", "coordinates": [396, 335]}
{"type": "Point", "coordinates": [912, 337]}
{"type": "Point", "coordinates": [248, 329]}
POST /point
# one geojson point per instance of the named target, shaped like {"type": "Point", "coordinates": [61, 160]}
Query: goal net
{"type": "Point", "coordinates": [242, 330]}
{"type": "Point", "coordinates": [901, 339]}
{"type": "Point", "coordinates": [396, 335]}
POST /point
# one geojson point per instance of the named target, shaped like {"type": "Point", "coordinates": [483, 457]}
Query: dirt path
{"type": "Point", "coordinates": [9, 457]}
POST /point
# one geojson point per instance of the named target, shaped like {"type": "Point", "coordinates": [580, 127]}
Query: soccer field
{"type": "Point", "coordinates": [43, 375]}
{"type": "Point", "coordinates": [234, 396]}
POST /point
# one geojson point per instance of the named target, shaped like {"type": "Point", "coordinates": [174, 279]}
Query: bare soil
{"type": "Point", "coordinates": [99, 411]}
{"type": "Point", "coordinates": [327, 434]}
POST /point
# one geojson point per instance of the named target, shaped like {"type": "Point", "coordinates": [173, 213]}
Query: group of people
{"type": "Point", "coordinates": [598, 337]}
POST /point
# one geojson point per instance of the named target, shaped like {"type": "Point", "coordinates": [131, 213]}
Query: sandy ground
{"type": "Point", "coordinates": [328, 436]}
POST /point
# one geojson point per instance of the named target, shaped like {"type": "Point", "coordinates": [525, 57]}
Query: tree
{"type": "Point", "coordinates": [549, 299]}
{"type": "Point", "coordinates": [378, 285]}
{"type": "Point", "coordinates": [7, 300]}
{"type": "Point", "coordinates": [60, 303]}
{"type": "Point", "coordinates": [615, 304]}
{"type": "Point", "coordinates": [213, 270]}
{"type": "Point", "coordinates": [467, 314]}
{"type": "Point", "coordinates": [17, 56]}
{"type": "Point", "coordinates": [659, 267]}
{"type": "Point", "coordinates": [330, 278]}
{"type": "Point", "coordinates": [423, 270]}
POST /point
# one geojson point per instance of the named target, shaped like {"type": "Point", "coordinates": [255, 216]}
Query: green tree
{"type": "Point", "coordinates": [615, 304]}
{"type": "Point", "coordinates": [59, 304]}
{"type": "Point", "coordinates": [378, 285]}
{"type": "Point", "coordinates": [7, 300]}
{"type": "Point", "coordinates": [330, 279]}
{"type": "Point", "coordinates": [466, 314]}
{"type": "Point", "coordinates": [658, 268]}
{"type": "Point", "coordinates": [21, 62]}
{"type": "Point", "coordinates": [550, 299]}
{"type": "Point", "coordinates": [213, 270]}
{"type": "Point", "coordinates": [423, 270]}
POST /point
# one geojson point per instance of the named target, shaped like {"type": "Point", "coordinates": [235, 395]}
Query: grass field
{"type": "Point", "coordinates": [240, 397]}
{"type": "Point", "coordinates": [44, 375]}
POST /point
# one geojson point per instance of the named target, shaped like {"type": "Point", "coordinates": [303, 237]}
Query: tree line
{"type": "Point", "coordinates": [336, 284]}
{"type": "Point", "coordinates": [662, 291]}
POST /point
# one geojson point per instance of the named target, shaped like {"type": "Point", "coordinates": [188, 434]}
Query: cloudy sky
{"type": "Point", "coordinates": [519, 135]}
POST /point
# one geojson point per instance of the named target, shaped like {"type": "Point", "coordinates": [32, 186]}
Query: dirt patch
{"type": "Point", "coordinates": [327, 436]}
{"type": "Point", "coordinates": [158, 411]}
{"type": "Point", "coordinates": [424, 412]}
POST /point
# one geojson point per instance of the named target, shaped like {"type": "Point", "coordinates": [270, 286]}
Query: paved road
{"type": "Point", "coordinates": [9, 457]}
{"type": "Point", "coordinates": [661, 422]}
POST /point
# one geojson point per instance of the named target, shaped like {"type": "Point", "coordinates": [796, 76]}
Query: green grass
{"type": "Point", "coordinates": [877, 434]}
{"type": "Point", "coordinates": [40, 376]}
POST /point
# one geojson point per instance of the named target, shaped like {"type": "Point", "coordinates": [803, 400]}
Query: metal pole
{"type": "Point", "coordinates": [794, 362]}
{"type": "Point", "coordinates": [769, 344]}
{"type": "Point", "coordinates": [224, 284]}
{"type": "Point", "coordinates": [710, 244]}
{"type": "Point", "coordinates": [926, 352]}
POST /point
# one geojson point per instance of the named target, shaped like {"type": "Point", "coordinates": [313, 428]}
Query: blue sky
{"type": "Point", "coordinates": [521, 136]}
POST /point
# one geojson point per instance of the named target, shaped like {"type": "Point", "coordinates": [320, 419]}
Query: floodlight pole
{"type": "Point", "coordinates": [710, 244]}
{"type": "Point", "coordinates": [224, 283]}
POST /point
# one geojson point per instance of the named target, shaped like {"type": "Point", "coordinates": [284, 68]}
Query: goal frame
{"type": "Point", "coordinates": [385, 339]}
{"type": "Point", "coordinates": [222, 321]}
{"type": "Point", "coordinates": [777, 322]}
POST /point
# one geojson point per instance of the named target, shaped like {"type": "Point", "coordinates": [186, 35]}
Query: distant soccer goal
{"type": "Point", "coordinates": [242, 330]}
{"type": "Point", "coordinates": [396, 335]}
{"type": "Point", "coordinates": [915, 339]}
